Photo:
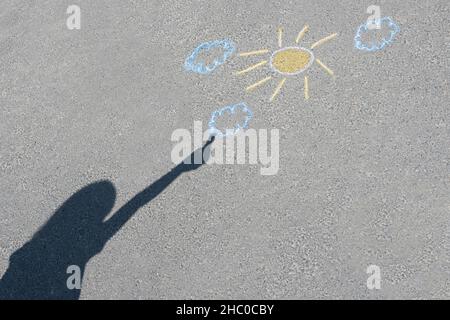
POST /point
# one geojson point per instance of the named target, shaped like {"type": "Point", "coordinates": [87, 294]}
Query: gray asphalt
{"type": "Point", "coordinates": [364, 163]}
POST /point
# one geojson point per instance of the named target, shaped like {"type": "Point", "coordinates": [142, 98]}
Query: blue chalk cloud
{"type": "Point", "coordinates": [376, 45]}
{"type": "Point", "coordinates": [230, 110]}
{"type": "Point", "coordinates": [193, 64]}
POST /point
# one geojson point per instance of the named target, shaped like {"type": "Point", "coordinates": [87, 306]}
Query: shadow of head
{"type": "Point", "coordinates": [89, 205]}
{"type": "Point", "coordinates": [78, 222]}
{"type": "Point", "coordinates": [71, 236]}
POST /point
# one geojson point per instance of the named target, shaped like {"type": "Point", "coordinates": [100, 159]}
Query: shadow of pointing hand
{"type": "Point", "coordinates": [200, 155]}
{"type": "Point", "coordinates": [74, 234]}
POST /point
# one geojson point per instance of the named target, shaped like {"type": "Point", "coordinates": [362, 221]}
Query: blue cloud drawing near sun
{"type": "Point", "coordinates": [376, 44]}
{"type": "Point", "coordinates": [195, 64]}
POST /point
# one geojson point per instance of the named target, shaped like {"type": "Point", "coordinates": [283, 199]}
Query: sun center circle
{"type": "Point", "coordinates": [291, 60]}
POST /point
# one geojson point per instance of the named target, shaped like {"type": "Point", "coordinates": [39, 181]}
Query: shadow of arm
{"type": "Point", "coordinates": [148, 194]}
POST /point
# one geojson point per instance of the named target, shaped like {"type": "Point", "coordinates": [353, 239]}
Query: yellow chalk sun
{"type": "Point", "coordinates": [287, 62]}
{"type": "Point", "coordinates": [291, 60]}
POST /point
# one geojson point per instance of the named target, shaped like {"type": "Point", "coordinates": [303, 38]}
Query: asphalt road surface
{"type": "Point", "coordinates": [86, 122]}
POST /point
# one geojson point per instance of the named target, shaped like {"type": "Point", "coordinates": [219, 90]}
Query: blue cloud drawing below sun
{"type": "Point", "coordinates": [241, 124]}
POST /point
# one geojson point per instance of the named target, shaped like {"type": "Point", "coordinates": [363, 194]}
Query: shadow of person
{"type": "Point", "coordinates": [74, 234]}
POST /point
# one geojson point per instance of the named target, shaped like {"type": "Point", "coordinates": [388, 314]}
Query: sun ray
{"type": "Point", "coordinates": [328, 70]}
{"type": "Point", "coordinates": [253, 53]}
{"type": "Point", "coordinates": [278, 89]}
{"type": "Point", "coordinates": [280, 37]}
{"type": "Point", "coordinates": [301, 34]}
{"type": "Point", "coordinates": [260, 64]}
{"type": "Point", "coordinates": [322, 41]}
{"type": "Point", "coordinates": [306, 88]}
{"type": "Point", "coordinates": [257, 84]}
